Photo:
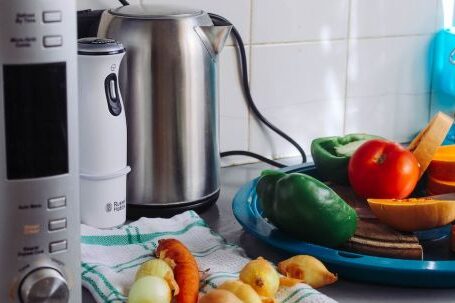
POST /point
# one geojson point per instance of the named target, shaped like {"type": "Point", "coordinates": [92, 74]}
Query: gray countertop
{"type": "Point", "coordinates": [221, 219]}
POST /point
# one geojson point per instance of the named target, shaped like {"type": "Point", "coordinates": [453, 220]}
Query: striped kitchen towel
{"type": "Point", "coordinates": [111, 257]}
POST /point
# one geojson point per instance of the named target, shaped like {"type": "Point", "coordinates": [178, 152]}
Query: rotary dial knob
{"type": "Point", "coordinates": [44, 285]}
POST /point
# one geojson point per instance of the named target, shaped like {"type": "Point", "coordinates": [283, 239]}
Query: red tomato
{"type": "Point", "coordinates": [383, 170]}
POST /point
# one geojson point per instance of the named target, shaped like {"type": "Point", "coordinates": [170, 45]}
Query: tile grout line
{"type": "Point", "coordinates": [348, 47]}
{"type": "Point", "coordinates": [314, 41]}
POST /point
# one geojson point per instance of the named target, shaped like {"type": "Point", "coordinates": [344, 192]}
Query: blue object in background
{"type": "Point", "coordinates": [444, 63]}
{"type": "Point", "coordinates": [450, 139]}
{"type": "Point", "coordinates": [443, 90]}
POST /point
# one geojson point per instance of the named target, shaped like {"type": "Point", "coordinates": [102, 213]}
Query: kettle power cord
{"type": "Point", "coordinates": [219, 20]}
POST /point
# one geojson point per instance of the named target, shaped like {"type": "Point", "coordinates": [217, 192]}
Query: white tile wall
{"type": "Point", "coordinates": [307, 102]}
{"type": "Point", "coordinates": [299, 20]}
{"type": "Point", "coordinates": [379, 18]}
{"type": "Point", "coordinates": [323, 67]}
{"type": "Point", "coordinates": [284, 75]}
{"type": "Point", "coordinates": [392, 116]}
{"type": "Point", "coordinates": [301, 121]}
{"type": "Point", "coordinates": [233, 110]}
{"type": "Point", "coordinates": [389, 65]}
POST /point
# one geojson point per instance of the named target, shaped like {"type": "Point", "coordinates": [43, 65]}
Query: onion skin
{"type": "Point", "coordinates": [243, 291]}
{"type": "Point", "coordinates": [220, 296]}
{"type": "Point", "coordinates": [155, 267]}
{"type": "Point", "coordinates": [150, 289]}
{"type": "Point", "coordinates": [158, 268]}
{"type": "Point", "coordinates": [308, 270]}
{"type": "Point", "coordinates": [262, 276]}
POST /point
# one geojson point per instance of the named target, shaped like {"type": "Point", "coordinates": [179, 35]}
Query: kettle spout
{"type": "Point", "coordinates": [213, 37]}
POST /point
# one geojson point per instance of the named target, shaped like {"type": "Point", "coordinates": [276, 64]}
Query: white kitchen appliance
{"type": "Point", "coordinates": [39, 169]}
{"type": "Point", "coordinates": [102, 133]}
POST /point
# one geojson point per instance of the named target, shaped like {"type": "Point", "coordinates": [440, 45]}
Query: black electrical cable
{"type": "Point", "coordinates": [219, 20]}
{"type": "Point", "coordinates": [252, 155]}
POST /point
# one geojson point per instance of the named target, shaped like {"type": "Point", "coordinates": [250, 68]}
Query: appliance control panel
{"type": "Point", "coordinates": [34, 26]}
{"type": "Point", "coordinates": [39, 178]}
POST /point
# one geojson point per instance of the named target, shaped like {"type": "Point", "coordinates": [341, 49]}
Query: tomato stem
{"type": "Point", "coordinates": [381, 159]}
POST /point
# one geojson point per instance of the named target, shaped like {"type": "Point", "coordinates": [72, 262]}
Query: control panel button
{"type": "Point", "coordinates": [58, 246]}
{"type": "Point", "coordinates": [52, 41]}
{"type": "Point", "coordinates": [57, 224]}
{"type": "Point", "coordinates": [56, 202]}
{"type": "Point", "coordinates": [44, 285]}
{"type": "Point", "coordinates": [52, 16]}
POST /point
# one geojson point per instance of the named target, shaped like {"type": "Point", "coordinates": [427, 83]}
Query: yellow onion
{"type": "Point", "coordinates": [150, 289]}
{"type": "Point", "coordinates": [308, 270]}
{"type": "Point", "coordinates": [241, 290]}
{"type": "Point", "coordinates": [262, 276]}
{"type": "Point", "coordinates": [158, 268]}
{"type": "Point", "coordinates": [219, 296]}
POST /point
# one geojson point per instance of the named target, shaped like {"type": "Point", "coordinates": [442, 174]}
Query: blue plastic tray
{"type": "Point", "coordinates": [437, 270]}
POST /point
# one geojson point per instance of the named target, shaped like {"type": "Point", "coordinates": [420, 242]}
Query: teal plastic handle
{"type": "Point", "coordinates": [450, 139]}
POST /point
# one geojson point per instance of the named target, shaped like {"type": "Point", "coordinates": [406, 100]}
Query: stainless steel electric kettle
{"type": "Point", "coordinates": [169, 83]}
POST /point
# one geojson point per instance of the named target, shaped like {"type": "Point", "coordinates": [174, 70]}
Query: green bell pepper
{"type": "Point", "coordinates": [266, 189]}
{"type": "Point", "coordinates": [306, 208]}
{"type": "Point", "coordinates": [331, 155]}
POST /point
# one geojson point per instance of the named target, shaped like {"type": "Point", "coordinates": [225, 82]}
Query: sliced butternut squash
{"type": "Point", "coordinates": [442, 167]}
{"type": "Point", "coordinates": [413, 214]}
{"type": "Point", "coordinates": [424, 146]}
{"type": "Point", "coordinates": [445, 153]}
{"type": "Point", "coordinates": [437, 187]}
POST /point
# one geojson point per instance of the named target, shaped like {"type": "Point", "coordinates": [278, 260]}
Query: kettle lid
{"type": "Point", "coordinates": [99, 46]}
{"type": "Point", "coordinates": [149, 11]}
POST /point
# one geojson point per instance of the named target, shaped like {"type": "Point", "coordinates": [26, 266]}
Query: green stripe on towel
{"type": "Point", "coordinates": [305, 296]}
{"type": "Point", "coordinates": [115, 240]}
{"type": "Point", "coordinates": [106, 282]}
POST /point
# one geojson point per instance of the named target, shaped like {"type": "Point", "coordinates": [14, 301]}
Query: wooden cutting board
{"type": "Point", "coordinates": [373, 237]}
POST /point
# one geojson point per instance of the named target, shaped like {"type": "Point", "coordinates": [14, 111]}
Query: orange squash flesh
{"type": "Point", "coordinates": [442, 166]}
{"type": "Point", "coordinates": [413, 214]}
{"type": "Point", "coordinates": [445, 153]}
{"type": "Point", "coordinates": [437, 187]}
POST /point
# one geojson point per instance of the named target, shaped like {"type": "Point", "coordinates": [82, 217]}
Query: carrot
{"type": "Point", "coordinates": [185, 268]}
